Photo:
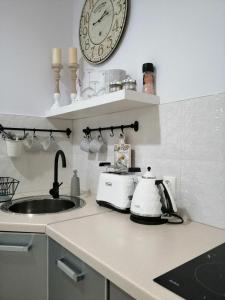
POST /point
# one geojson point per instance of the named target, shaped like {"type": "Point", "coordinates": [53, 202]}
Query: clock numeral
{"type": "Point", "coordinates": [86, 18]}
{"type": "Point", "coordinates": [87, 44]}
{"type": "Point", "coordinates": [85, 31]}
{"type": "Point", "coordinates": [116, 25]}
{"type": "Point", "coordinates": [100, 50]}
{"type": "Point", "coordinates": [109, 42]}
{"type": "Point", "coordinates": [120, 5]}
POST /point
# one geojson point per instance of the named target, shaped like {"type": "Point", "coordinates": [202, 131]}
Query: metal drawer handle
{"type": "Point", "coordinates": [15, 248]}
{"type": "Point", "coordinates": [75, 275]}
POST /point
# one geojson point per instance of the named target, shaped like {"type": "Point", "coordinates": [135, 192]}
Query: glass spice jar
{"type": "Point", "coordinates": [148, 78]}
{"type": "Point", "coordinates": [115, 86]}
{"type": "Point", "coordinates": [129, 84]}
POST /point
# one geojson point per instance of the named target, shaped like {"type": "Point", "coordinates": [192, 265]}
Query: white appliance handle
{"type": "Point", "coordinates": [169, 196]}
{"type": "Point", "coordinates": [172, 200]}
{"type": "Point", "coordinates": [136, 180]}
{"type": "Point", "coordinates": [170, 209]}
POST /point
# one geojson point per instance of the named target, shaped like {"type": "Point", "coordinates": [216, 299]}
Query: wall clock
{"type": "Point", "coordinates": [102, 23]}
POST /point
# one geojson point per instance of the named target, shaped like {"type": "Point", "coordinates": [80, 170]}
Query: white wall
{"type": "Point", "coordinates": [28, 31]}
{"type": "Point", "coordinates": [183, 38]}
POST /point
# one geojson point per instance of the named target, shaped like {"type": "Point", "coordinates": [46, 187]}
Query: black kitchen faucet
{"type": "Point", "coordinates": [55, 189]}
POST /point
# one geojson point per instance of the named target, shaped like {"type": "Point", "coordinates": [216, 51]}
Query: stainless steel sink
{"type": "Point", "coordinates": [42, 205]}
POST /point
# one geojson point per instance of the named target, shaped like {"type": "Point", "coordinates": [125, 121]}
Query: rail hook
{"type": "Point", "coordinates": [112, 133]}
{"type": "Point", "coordinates": [87, 132]}
{"type": "Point", "coordinates": [100, 132]}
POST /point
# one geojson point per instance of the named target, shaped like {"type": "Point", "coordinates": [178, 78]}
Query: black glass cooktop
{"type": "Point", "coordinates": [202, 278]}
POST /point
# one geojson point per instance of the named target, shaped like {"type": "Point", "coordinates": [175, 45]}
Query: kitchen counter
{"type": "Point", "coordinates": [129, 254]}
{"type": "Point", "coordinates": [132, 255]}
{"type": "Point", "coordinates": [38, 223]}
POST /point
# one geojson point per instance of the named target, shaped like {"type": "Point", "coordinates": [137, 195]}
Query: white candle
{"type": "Point", "coordinates": [56, 56]}
{"type": "Point", "coordinates": [72, 55]}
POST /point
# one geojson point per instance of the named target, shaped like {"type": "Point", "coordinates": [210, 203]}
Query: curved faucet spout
{"type": "Point", "coordinates": [55, 189]}
{"type": "Point", "coordinates": [56, 167]}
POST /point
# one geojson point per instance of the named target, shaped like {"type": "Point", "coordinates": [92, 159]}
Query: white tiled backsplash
{"type": "Point", "coordinates": [35, 170]}
{"type": "Point", "coordinates": [185, 139]}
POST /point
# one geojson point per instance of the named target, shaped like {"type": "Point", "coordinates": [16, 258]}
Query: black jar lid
{"type": "Point", "coordinates": [147, 67]}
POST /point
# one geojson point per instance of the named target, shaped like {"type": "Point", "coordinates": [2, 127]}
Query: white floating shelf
{"type": "Point", "coordinates": [106, 104]}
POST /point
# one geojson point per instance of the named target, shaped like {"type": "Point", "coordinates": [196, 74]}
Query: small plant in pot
{"type": "Point", "coordinates": [14, 144]}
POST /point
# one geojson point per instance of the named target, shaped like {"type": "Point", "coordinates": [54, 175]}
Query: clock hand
{"type": "Point", "coordinates": [99, 20]}
{"type": "Point", "coordinates": [106, 13]}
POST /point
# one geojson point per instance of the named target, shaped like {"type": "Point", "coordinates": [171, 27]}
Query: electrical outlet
{"type": "Point", "coordinates": [171, 181]}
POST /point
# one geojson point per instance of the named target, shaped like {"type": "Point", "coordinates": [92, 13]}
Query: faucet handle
{"type": "Point", "coordinates": [60, 184]}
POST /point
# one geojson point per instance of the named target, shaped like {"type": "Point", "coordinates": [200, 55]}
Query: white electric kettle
{"type": "Point", "coordinates": [152, 201]}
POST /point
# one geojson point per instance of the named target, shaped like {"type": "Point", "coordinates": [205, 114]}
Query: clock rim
{"type": "Point", "coordinates": [118, 39]}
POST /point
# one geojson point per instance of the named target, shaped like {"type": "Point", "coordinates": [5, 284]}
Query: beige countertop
{"type": "Point", "coordinates": [37, 223]}
{"type": "Point", "coordinates": [132, 255]}
{"type": "Point", "coordinates": [129, 254]}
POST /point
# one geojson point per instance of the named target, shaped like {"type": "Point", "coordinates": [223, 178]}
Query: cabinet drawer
{"type": "Point", "coordinates": [72, 279]}
{"type": "Point", "coordinates": [23, 266]}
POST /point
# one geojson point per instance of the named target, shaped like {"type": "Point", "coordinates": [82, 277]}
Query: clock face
{"type": "Point", "coordinates": [101, 26]}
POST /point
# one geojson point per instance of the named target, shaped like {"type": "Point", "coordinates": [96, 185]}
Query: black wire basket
{"type": "Point", "coordinates": [8, 188]}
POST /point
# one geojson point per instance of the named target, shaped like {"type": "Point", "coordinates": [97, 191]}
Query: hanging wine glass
{"type": "Point", "coordinates": [88, 92]}
{"type": "Point", "coordinates": [102, 89]}
{"type": "Point", "coordinates": [94, 83]}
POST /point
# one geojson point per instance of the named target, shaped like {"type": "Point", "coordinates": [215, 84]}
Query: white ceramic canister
{"type": "Point", "coordinates": [14, 148]}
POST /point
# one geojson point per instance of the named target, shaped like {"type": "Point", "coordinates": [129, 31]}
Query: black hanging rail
{"type": "Point", "coordinates": [134, 126]}
{"type": "Point", "coordinates": [2, 129]}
